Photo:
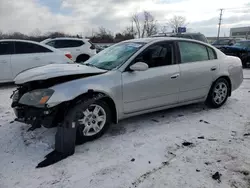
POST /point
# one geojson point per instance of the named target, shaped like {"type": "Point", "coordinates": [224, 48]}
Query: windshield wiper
{"type": "Point", "coordinates": [88, 64]}
{"type": "Point", "coordinates": [91, 65]}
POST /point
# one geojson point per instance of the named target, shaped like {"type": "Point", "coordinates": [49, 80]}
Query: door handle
{"type": "Point", "coordinates": [4, 61]}
{"type": "Point", "coordinates": [213, 68]}
{"type": "Point", "coordinates": [77, 49]}
{"type": "Point", "coordinates": [36, 58]}
{"type": "Point", "coordinates": [175, 76]}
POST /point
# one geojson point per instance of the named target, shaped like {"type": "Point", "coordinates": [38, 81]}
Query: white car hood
{"type": "Point", "coordinates": [53, 71]}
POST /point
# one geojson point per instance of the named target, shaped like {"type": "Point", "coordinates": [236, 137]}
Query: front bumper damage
{"type": "Point", "coordinates": [65, 138]}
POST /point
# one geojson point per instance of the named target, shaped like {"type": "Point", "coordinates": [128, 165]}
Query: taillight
{"type": "Point", "coordinates": [69, 56]}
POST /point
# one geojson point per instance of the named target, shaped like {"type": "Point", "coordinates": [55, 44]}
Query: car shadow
{"type": "Point", "coordinates": [167, 116]}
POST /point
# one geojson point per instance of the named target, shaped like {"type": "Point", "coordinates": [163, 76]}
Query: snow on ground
{"type": "Point", "coordinates": [153, 141]}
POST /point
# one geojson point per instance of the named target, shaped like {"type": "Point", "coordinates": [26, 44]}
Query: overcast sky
{"type": "Point", "coordinates": [81, 16]}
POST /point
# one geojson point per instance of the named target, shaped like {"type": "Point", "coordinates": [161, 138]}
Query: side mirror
{"type": "Point", "coordinates": [139, 66]}
{"type": "Point", "coordinates": [231, 43]}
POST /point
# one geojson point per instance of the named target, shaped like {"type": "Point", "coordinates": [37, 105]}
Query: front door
{"type": "Point", "coordinates": [157, 86]}
{"type": "Point", "coordinates": [199, 67]}
{"type": "Point", "coordinates": [6, 49]}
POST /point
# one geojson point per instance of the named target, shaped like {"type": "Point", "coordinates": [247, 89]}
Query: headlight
{"type": "Point", "coordinates": [36, 98]}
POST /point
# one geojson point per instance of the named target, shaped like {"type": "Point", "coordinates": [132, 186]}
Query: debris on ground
{"type": "Point", "coordinates": [201, 137]}
{"type": "Point", "coordinates": [197, 170]}
{"type": "Point", "coordinates": [132, 160]}
{"type": "Point", "coordinates": [171, 153]}
{"type": "Point", "coordinates": [208, 163]}
{"type": "Point", "coordinates": [246, 134]}
{"type": "Point", "coordinates": [155, 120]}
{"type": "Point", "coordinates": [218, 161]}
{"type": "Point", "coordinates": [233, 133]}
{"type": "Point", "coordinates": [204, 121]}
{"type": "Point", "coordinates": [244, 172]}
{"type": "Point", "coordinates": [149, 162]}
{"type": "Point", "coordinates": [187, 143]}
{"type": "Point", "coordinates": [217, 176]}
{"type": "Point", "coordinates": [11, 122]}
{"type": "Point", "coordinates": [180, 115]}
{"type": "Point", "coordinates": [212, 139]}
{"type": "Point", "coordinates": [165, 163]}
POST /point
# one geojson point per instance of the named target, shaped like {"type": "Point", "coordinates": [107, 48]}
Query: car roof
{"type": "Point", "coordinates": [18, 40]}
{"type": "Point", "coordinates": [159, 39]}
{"type": "Point", "coordinates": [67, 38]}
{"type": "Point", "coordinates": [28, 41]}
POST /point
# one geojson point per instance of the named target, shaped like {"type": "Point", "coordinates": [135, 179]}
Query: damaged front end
{"type": "Point", "coordinates": [29, 105]}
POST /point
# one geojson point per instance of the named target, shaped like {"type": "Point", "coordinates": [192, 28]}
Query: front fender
{"type": "Point", "coordinates": [67, 94]}
{"type": "Point", "coordinates": [108, 84]}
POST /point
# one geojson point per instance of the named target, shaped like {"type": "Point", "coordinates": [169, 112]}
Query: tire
{"type": "Point", "coordinates": [81, 116]}
{"type": "Point", "coordinates": [218, 93]}
{"type": "Point", "coordinates": [82, 58]}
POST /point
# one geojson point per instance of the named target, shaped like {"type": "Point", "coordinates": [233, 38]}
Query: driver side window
{"type": "Point", "coordinates": [157, 55]}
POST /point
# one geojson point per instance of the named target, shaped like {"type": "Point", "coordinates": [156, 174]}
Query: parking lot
{"type": "Point", "coordinates": [180, 147]}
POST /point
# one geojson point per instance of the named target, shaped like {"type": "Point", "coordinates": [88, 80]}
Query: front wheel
{"type": "Point", "coordinates": [218, 93]}
{"type": "Point", "coordinates": [92, 120]}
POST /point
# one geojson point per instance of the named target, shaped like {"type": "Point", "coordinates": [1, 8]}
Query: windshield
{"type": "Point", "coordinates": [245, 44]}
{"type": "Point", "coordinates": [114, 56]}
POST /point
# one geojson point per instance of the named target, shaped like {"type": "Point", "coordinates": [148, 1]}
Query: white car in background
{"type": "Point", "coordinates": [19, 55]}
{"type": "Point", "coordinates": [81, 49]}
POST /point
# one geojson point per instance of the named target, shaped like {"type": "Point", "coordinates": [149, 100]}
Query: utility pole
{"type": "Point", "coordinates": [218, 36]}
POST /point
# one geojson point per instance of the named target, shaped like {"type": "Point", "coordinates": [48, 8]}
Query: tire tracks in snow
{"type": "Point", "coordinates": [164, 164]}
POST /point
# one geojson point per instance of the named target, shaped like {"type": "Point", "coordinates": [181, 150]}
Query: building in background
{"type": "Point", "coordinates": [240, 32]}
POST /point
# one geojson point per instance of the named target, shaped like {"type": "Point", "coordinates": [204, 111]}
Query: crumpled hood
{"type": "Point", "coordinates": [53, 71]}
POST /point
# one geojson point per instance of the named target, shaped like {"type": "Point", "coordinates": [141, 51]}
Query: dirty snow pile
{"type": "Point", "coordinates": [186, 147]}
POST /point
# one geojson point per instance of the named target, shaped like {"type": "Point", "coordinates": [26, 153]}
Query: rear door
{"type": "Point", "coordinates": [199, 67]}
{"type": "Point", "coordinates": [29, 55]}
{"type": "Point", "coordinates": [6, 49]}
{"type": "Point", "coordinates": [72, 46]}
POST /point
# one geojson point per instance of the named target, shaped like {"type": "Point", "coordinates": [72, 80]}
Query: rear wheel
{"type": "Point", "coordinates": [218, 93]}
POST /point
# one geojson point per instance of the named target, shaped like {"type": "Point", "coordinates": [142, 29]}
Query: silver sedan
{"type": "Point", "coordinates": [130, 78]}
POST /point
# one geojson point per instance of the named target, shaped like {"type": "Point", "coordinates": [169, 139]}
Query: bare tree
{"type": "Point", "coordinates": [145, 24]}
{"type": "Point", "coordinates": [177, 21]}
{"type": "Point", "coordinates": [136, 20]}
{"type": "Point", "coordinates": [163, 29]}
{"type": "Point", "coordinates": [36, 33]}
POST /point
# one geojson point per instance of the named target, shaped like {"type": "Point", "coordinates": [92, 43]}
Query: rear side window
{"type": "Point", "coordinates": [192, 52]}
{"type": "Point", "coordinates": [211, 53]}
{"type": "Point", "coordinates": [68, 43]}
{"type": "Point", "coordinates": [51, 43]}
{"type": "Point", "coordinates": [27, 48]}
{"type": "Point", "coordinates": [6, 48]}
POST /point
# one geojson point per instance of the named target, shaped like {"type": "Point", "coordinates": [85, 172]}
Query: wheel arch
{"type": "Point", "coordinates": [228, 80]}
{"type": "Point", "coordinates": [106, 98]}
{"type": "Point", "coordinates": [82, 55]}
